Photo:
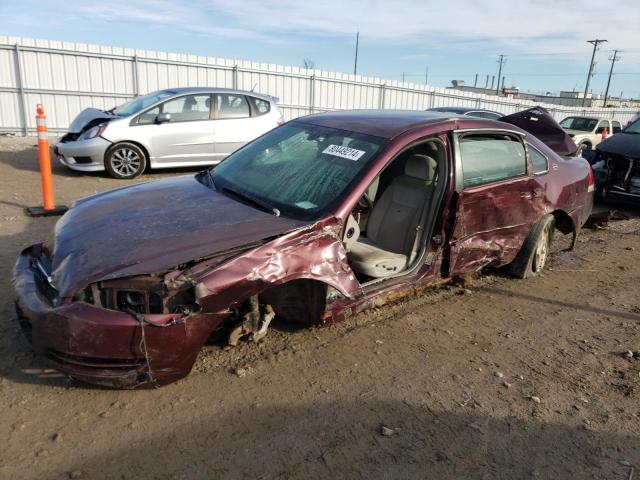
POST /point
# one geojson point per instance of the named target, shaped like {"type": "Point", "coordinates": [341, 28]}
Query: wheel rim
{"type": "Point", "coordinates": [125, 162]}
{"type": "Point", "coordinates": [542, 251]}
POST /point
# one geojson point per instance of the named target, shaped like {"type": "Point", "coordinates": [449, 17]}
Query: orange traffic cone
{"type": "Point", "coordinates": [605, 133]}
{"type": "Point", "coordinates": [49, 207]}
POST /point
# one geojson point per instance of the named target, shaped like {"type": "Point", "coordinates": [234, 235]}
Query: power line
{"type": "Point", "coordinates": [613, 62]}
{"type": "Point", "coordinates": [595, 44]}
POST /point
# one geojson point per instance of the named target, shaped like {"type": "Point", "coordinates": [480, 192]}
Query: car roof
{"type": "Point", "coordinates": [185, 90]}
{"type": "Point", "coordinates": [391, 123]}
{"type": "Point", "coordinates": [462, 110]}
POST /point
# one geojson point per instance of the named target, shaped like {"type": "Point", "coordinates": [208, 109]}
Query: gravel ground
{"type": "Point", "coordinates": [498, 378]}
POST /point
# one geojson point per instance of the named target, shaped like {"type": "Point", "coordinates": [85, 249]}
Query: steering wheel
{"type": "Point", "coordinates": [365, 204]}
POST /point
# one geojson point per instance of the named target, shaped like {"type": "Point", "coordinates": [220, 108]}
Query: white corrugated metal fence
{"type": "Point", "coordinates": [68, 77]}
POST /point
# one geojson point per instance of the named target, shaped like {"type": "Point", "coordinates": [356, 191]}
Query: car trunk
{"type": "Point", "coordinates": [543, 126]}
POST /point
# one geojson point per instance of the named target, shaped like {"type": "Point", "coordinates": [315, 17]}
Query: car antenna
{"type": "Point", "coordinates": [254, 87]}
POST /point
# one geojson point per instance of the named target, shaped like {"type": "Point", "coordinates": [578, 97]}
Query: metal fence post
{"type": "Point", "coordinates": [383, 89]}
{"type": "Point", "coordinates": [235, 76]}
{"type": "Point", "coordinates": [432, 96]}
{"type": "Point", "coordinates": [136, 82]}
{"type": "Point", "coordinates": [23, 100]}
{"type": "Point", "coordinates": [312, 93]}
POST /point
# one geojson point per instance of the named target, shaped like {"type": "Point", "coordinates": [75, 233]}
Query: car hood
{"type": "Point", "coordinates": [543, 126]}
{"type": "Point", "coordinates": [88, 116]}
{"type": "Point", "coordinates": [627, 144]}
{"type": "Point", "coordinates": [152, 227]}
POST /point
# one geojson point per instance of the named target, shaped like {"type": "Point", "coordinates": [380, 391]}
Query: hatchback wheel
{"type": "Point", "coordinates": [534, 253]}
{"type": "Point", "coordinates": [125, 161]}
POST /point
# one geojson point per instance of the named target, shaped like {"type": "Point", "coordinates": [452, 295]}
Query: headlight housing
{"type": "Point", "coordinates": [143, 294]}
{"type": "Point", "coordinates": [94, 132]}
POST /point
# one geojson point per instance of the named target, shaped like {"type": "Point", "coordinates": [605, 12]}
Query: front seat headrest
{"type": "Point", "coordinates": [422, 167]}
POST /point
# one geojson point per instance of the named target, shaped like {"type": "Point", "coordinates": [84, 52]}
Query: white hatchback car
{"type": "Point", "coordinates": [170, 128]}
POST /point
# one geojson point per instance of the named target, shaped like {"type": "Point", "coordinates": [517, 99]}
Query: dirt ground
{"type": "Point", "coordinates": [498, 379]}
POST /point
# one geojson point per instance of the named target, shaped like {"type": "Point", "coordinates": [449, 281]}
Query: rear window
{"type": "Point", "coordinates": [538, 160]}
{"type": "Point", "coordinates": [490, 158]}
{"type": "Point", "coordinates": [260, 107]}
{"type": "Point", "coordinates": [489, 115]}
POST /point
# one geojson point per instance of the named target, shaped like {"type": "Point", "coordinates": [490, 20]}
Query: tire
{"type": "Point", "coordinates": [125, 161]}
{"type": "Point", "coordinates": [534, 253]}
{"type": "Point", "coordinates": [582, 147]}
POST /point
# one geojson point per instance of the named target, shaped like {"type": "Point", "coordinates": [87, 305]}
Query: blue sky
{"type": "Point", "coordinates": [544, 41]}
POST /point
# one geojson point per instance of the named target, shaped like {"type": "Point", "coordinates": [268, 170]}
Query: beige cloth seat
{"type": "Point", "coordinates": [392, 225]}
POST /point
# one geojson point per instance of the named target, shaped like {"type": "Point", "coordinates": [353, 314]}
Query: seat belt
{"type": "Point", "coordinates": [418, 237]}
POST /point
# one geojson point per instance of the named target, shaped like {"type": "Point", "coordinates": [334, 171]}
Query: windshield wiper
{"type": "Point", "coordinates": [256, 203]}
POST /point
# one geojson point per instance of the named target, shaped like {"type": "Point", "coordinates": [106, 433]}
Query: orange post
{"type": "Point", "coordinates": [605, 133]}
{"type": "Point", "coordinates": [49, 207]}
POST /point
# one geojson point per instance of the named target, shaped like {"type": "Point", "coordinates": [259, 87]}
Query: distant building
{"type": "Point", "coordinates": [566, 98]}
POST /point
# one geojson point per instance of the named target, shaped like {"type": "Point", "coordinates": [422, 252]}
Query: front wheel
{"type": "Point", "coordinates": [125, 161]}
{"type": "Point", "coordinates": [534, 253]}
{"type": "Point", "coordinates": [582, 148]}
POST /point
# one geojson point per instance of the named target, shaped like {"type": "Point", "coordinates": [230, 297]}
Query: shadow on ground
{"type": "Point", "coordinates": [343, 440]}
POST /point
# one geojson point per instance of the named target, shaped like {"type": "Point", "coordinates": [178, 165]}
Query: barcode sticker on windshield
{"type": "Point", "coordinates": [344, 152]}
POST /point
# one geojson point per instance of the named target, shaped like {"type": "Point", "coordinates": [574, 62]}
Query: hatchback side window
{"type": "Point", "coordinates": [231, 106]}
{"type": "Point", "coordinates": [188, 108]}
{"type": "Point", "coordinates": [538, 160]}
{"type": "Point", "coordinates": [260, 106]}
{"type": "Point", "coordinates": [490, 158]}
{"type": "Point", "coordinates": [617, 128]}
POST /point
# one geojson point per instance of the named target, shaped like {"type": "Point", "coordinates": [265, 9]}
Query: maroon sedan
{"type": "Point", "coordinates": [313, 222]}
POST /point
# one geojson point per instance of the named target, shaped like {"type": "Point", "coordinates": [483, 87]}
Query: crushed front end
{"type": "Point", "coordinates": [125, 333]}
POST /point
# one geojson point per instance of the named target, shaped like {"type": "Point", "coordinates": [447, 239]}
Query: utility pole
{"type": "Point", "coordinates": [613, 59]}
{"type": "Point", "coordinates": [595, 44]}
{"type": "Point", "coordinates": [355, 63]}
{"type": "Point", "coordinates": [500, 61]}
{"type": "Point", "coordinates": [426, 76]}
{"type": "Point", "coordinates": [475, 82]}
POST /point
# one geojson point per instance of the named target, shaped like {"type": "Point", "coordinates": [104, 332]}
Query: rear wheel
{"type": "Point", "coordinates": [534, 253]}
{"type": "Point", "coordinates": [125, 161]}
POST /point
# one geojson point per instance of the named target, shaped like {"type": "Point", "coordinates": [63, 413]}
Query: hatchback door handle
{"type": "Point", "coordinates": [526, 194]}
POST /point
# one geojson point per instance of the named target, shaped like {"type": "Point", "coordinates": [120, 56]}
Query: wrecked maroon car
{"type": "Point", "coordinates": [312, 223]}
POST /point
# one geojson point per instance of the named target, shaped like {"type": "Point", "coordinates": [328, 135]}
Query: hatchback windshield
{"type": "Point", "coordinates": [299, 169]}
{"type": "Point", "coordinates": [579, 123]}
{"type": "Point", "coordinates": [134, 106]}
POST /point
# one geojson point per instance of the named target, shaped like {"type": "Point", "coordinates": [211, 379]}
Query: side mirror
{"type": "Point", "coordinates": [163, 118]}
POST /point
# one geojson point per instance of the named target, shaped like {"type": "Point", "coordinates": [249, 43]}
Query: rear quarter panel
{"type": "Point", "coordinates": [565, 185]}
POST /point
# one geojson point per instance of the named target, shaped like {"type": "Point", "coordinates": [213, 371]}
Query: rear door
{"type": "Point", "coordinates": [188, 136]}
{"type": "Point", "coordinates": [238, 120]}
{"type": "Point", "coordinates": [497, 200]}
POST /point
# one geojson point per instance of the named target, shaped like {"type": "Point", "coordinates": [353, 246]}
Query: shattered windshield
{"type": "Point", "coordinates": [299, 169]}
{"type": "Point", "coordinates": [579, 123]}
{"type": "Point", "coordinates": [139, 103]}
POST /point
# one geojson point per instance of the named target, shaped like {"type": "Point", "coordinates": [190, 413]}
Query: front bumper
{"type": "Point", "coordinates": [102, 346]}
{"type": "Point", "coordinates": [83, 155]}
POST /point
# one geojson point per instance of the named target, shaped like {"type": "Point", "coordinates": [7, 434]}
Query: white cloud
{"type": "Point", "coordinates": [427, 26]}
{"type": "Point", "coordinates": [519, 26]}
